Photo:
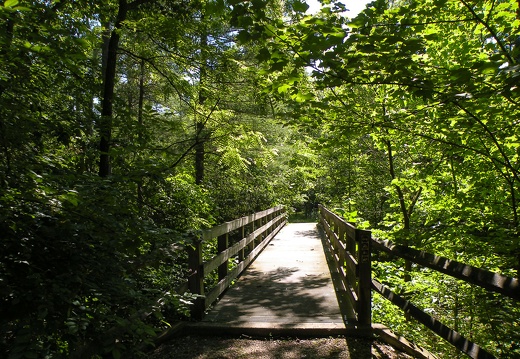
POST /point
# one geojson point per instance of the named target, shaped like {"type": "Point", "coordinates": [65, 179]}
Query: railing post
{"type": "Point", "coordinates": [252, 228]}
{"type": "Point", "coordinates": [242, 253]}
{"type": "Point", "coordinates": [258, 224]}
{"type": "Point", "coordinates": [363, 238]}
{"type": "Point", "coordinates": [196, 278]}
{"type": "Point", "coordinates": [222, 245]}
{"type": "Point", "coordinates": [269, 217]}
{"type": "Point", "coordinates": [320, 216]}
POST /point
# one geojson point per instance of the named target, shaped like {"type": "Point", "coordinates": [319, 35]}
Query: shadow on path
{"type": "Point", "coordinates": [288, 283]}
{"type": "Point", "coordinates": [195, 347]}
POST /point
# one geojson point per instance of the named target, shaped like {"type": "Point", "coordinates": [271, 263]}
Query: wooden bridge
{"type": "Point", "coordinates": [312, 280]}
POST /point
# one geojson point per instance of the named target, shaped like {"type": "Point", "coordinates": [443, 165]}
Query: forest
{"type": "Point", "coordinates": [127, 126]}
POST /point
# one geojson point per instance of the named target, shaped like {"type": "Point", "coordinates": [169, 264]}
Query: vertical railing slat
{"type": "Point", "coordinates": [196, 278]}
{"type": "Point", "coordinates": [222, 245]}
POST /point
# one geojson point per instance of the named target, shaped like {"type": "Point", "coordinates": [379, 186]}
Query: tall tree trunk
{"type": "Point", "coordinates": [404, 211]}
{"type": "Point", "coordinates": [140, 122]}
{"type": "Point", "coordinates": [200, 121]}
{"type": "Point", "coordinates": [516, 225]}
{"type": "Point", "coordinates": [105, 124]}
{"type": "Point", "coordinates": [400, 194]}
{"type": "Point", "coordinates": [6, 48]}
{"type": "Point", "coordinates": [5, 56]}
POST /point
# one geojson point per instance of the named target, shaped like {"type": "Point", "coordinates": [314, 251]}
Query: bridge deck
{"type": "Point", "coordinates": [287, 290]}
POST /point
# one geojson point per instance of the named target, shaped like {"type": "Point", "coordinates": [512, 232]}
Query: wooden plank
{"type": "Point", "coordinates": [216, 291]}
{"type": "Point", "coordinates": [350, 289]}
{"type": "Point", "coordinates": [341, 236]}
{"type": "Point", "coordinates": [222, 257]}
{"type": "Point", "coordinates": [345, 299]}
{"type": "Point", "coordinates": [454, 338]}
{"type": "Point", "coordinates": [401, 343]}
{"type": "Point", "coordinates": [237, 223]}
{"type": "Point", "coordinates": [351, 263]}
{"type": "Point", "coordinates": [329, 231]}
{"type": "Point", "coordinates": [222, 245]}
{"type": "Point", "coordinates": [196, 278]}
{"type": "Point", "coordinates": [242, 252]}
{"type": "Point", "coordinates": [365, 278]}
{"type": "Point", "coordinates": [496, 282]}
{"type": "Point", "coordinates": [352, 279]}
{"type": "Point", "coordinates": [349, 229]}
{"type": "Point", "coordinates": [342, 252]}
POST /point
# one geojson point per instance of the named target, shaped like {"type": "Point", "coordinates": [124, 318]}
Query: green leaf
{"type": "Point", "coordinates": [10, 3]}
{"type": "Point", "coordinates": [300, 97]}
{"type": "Point", "coordinates": [263, 54]}
{"type": "Point", "coordinates": [243, 36]}
{"type": "Point", "coordinates": [284, 88]}
{"type": "Point", "coordinates": [300, 6]}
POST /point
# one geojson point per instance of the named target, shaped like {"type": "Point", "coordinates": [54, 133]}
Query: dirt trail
{"type": "Point", "coordinates": [194, 347]}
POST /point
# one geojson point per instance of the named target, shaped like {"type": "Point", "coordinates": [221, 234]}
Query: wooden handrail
{"type": "Point", "coordinates": [350, 249]}
{"type": "Point", "coordinates": [489, 280]}
{"type": "Point", "coordinates": [451, 336]}
{"type": "Point", "coordinates": [343, 238]}
{"type": "Point", "coordinates": [255, 232]}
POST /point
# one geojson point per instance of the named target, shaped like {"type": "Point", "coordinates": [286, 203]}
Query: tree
{"type": "Point", "coordinates": [443, 112]}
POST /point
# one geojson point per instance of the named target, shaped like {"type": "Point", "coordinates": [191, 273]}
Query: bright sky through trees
{"type": "Point", "coordinates": [354, 6]}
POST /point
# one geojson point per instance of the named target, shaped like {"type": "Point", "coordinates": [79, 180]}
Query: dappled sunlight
{"type": "Point", "coordinates": [289, 283]}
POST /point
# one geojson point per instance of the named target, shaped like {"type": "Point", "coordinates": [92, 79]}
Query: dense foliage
{"type": "Point", "coordinates": [127, 125]}
{"type": "Point", "coordinates": [124, 127]}
{"type": "Point", "coordinates": [416, 107]}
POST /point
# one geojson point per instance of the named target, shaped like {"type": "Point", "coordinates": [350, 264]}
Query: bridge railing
{"type": "Point", "coordinates": [251, 234]}
{"type": "Point", "coordinates": [350, 249]}
{"type": "Point", "coordinates": [348, 244]}
{"type": "Point", "coordinates": [490, 281]}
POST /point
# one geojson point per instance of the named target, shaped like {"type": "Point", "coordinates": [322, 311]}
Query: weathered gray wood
{"type": "Point", "coordinates": [237, 223]}
{"type": "Point", "coordinates": [216, 291]}
{"type": "Point", "coordinates": [351, 263]}
{"type": "Point", "coordinates": [222, 245]}
{"type": "Point", "coordinates": [242, 253]}
{"type": "Point", "coordinates": [461, 343]}
{"type": "Point", "coordinates": [223, 256]}
{"type": "Point", "coordinates": [496, 282]}
{"type": "Point", "coordinates": [365, 278]}
{"type": "Point", "coordinates": [347, 278]}
{"type": "Point", "coordinates": [401, 343]}
{"type": "Point", "coordinates": [349, 229]}
{"type": "Point", "coordinates": [342, 237]}
{"type": "Point", "coordinates": [351, 294]}
{"type": "Point", "coordinates": [196, 278]}
{"type": "Point", "coordinates": [198, 269]}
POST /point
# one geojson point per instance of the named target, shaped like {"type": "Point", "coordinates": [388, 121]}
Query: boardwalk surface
{"type": "Point", "coordinates": [286, 290]}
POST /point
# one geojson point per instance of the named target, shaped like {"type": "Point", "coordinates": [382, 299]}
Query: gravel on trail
{"type": "Point", "coordinates": [198, 347]}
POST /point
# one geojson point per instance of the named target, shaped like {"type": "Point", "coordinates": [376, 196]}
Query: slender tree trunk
{"type": "Point", "coordinates": [141, 99]}
{"type": "Point", "coordinates": [404, 210]}
{"type": "Point", "coordinates": [5, 56]}
{"type": "Point", "coordinates": [6, 48]}
{"type": "Point", "coordinates": [402, 203]}
{"type": "Point", "coordinates": [140, 121]}
{"type": "Point", "coordinates": [516, 225]}
{"type": "Point", "coordinates": [105, 125]}
{"type": "Point", "coordinates": [200, 122]}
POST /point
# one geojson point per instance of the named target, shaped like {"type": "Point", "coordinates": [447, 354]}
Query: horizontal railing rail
{"type": "Point", "coordinates": [346, 242]}
{"type": "Point", "coordinates": [250, 236]}
{"type": "Point", "coordinates": [492, 281]}
{"type": "Point", "coordinates": [451, 336]}
{"type": "Point", "coordinates": [350, 252]}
